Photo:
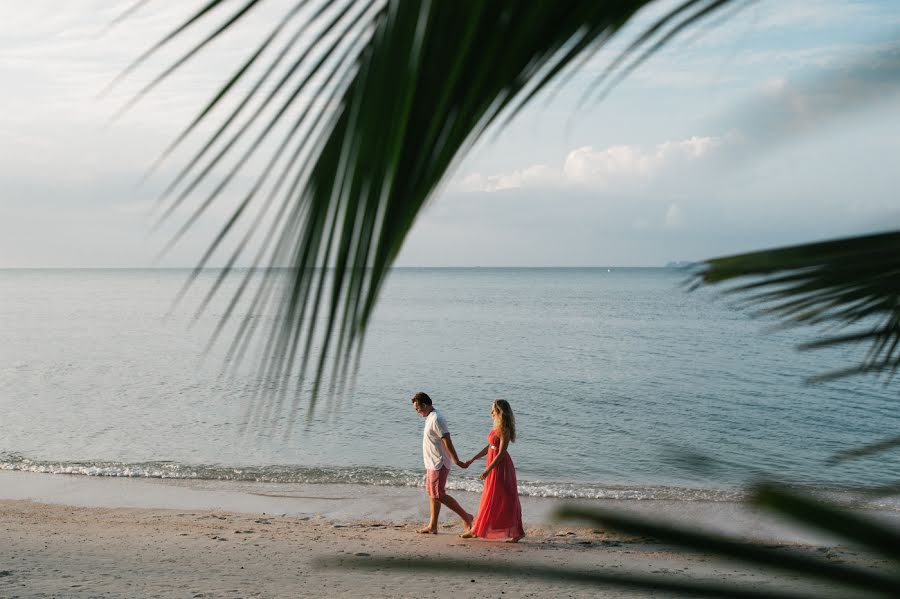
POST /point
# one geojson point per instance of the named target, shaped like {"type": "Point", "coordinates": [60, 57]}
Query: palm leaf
{"type": "Point", "coordinates": [852, 282]}
{"type": "Point", "coordinates": [816, 515]}
{"type": "Point", "coordinates": [770, 559]}
{"type": "Point", "coordinates": [411, 85]}
{"type": "Point", "coordinates": [599, 579]}
{"type": "Point", "coordinates": [865, 450]}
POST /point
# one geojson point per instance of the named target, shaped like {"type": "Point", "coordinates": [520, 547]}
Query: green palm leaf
{"type": "Point", "coordinates": [408, 87]}
{"type": "Point", "coordinates": [853, 282]}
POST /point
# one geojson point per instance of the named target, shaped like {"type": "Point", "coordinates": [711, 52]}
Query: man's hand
{"type": "Point", "coordinates": [462, 464]}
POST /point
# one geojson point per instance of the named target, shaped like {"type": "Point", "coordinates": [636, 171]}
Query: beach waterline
{"type": "Point", "coordinates": [355, 503]}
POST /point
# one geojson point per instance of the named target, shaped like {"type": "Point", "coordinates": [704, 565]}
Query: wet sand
{"type": "Point", "coordinates": [81, 548]}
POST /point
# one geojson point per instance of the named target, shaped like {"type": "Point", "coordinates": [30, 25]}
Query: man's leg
{"type": "Point", "coordinates": [432, 522]}
{"type": "Point", "coordinates": [432, 487]}
{"type": "Point", "coordinates": [454, 505]}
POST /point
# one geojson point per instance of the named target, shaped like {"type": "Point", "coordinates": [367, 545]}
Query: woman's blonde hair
{"type": "Point", "coordinates": [507, 419]}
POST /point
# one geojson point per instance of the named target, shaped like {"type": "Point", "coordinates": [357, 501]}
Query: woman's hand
{"type": "Point", "coordinates": [484, 474]}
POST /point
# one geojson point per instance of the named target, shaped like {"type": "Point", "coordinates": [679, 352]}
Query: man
{"type": "Point", "coordinates": [439, 453]}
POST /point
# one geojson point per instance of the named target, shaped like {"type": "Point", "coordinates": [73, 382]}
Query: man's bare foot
{"type": "Point", "coordinates": [515, 539]}
{"type": "Point", "coordinates": [467, 535]}
{"type": "Point", "coordinates": [427, 531]}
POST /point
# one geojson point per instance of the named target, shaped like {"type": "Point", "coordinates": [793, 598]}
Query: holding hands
{"type": "Point", "coordinates": [475, 458]}
{"type": "Point", "coordinates": [481, 476]}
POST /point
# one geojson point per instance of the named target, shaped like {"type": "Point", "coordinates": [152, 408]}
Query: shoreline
{"type": "Point", "coordinates": [77, 536]}
{"type": "Point", "coordinates": [352, 503]}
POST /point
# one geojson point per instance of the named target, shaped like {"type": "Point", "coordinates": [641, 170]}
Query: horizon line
{"type": "Point", "coordinates": [674, 264]}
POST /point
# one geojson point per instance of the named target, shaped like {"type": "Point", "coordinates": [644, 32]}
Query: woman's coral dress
{"type": "Point", "coordinates": [499, 513]}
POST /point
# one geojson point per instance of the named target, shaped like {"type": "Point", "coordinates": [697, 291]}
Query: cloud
{"type": "Point", "coordinates": [538, 175]}
{"type": "Point", "coordinates": [601, 169]}
{"type": "Point", "coordinates": [786, 108]}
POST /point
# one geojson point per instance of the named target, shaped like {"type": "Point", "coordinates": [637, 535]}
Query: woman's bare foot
{"type": "Point", "coordinates": [427, 531]}
{"type": "Point", "coordinates": [515, 539]}
{"type": "Point", "coordinates": [467, 522]}
{"type": "Point", "coordinates": [467, 535]}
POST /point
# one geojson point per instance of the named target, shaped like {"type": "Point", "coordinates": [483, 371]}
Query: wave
{"type": "Point", "coordinates": [358, 475]}
{"type": "Point", "coordinates": [366, 475]}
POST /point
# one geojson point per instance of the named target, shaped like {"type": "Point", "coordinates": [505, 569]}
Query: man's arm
{"type": "Point", "coordinates": [448, 443]}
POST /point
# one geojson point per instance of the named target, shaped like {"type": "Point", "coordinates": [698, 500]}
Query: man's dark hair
{"type": "Point", "coordinates": [422, 398]}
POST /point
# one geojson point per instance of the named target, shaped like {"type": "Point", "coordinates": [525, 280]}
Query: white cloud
{"type": "Point", "coordinates": [592, 167]}
{"type": "Point", "coordinates": [538, 175]}
{"type": "Point", "coordinates": [600, 169]}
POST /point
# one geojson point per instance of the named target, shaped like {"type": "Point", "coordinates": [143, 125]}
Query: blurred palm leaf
{"type": "Point", "coordinates": [866, 450]}
{"type": "Point", "coordinates": [377, 100]}
{"type": "Point", "coordinates": [598, 579]}
{"type": "Point", "coordinates": [851, 527]}
{"type": "Point", "coordinates": [853, 282]}
{"type": "Point", "coordinates": [817, 515]}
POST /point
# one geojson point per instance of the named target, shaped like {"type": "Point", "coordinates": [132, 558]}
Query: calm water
{"type": "Point", "coordinates": [614, 377]}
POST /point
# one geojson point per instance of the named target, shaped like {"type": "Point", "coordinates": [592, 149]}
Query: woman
{"type": "Point", "coordinates": [499, 514]}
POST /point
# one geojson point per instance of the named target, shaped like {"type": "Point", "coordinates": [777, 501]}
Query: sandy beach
{"type": "Point", "coordinates": [75, 537]}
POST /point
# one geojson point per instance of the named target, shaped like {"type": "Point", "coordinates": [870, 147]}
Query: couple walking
{"type": "Point", "coordinates": [499, 513]}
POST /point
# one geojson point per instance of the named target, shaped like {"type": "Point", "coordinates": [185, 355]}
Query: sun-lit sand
{"type": "Point", "coordinates": [181, 545]}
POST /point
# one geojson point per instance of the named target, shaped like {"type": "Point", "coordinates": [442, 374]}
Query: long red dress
{"type": "Point", "coordinates": [499, 513]}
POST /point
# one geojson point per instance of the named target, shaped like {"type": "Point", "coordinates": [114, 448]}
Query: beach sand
{"type": "Point", "coordinates": [56, 544]}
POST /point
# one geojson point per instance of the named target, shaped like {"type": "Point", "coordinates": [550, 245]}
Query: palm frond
{"type": "Point", "coordinates": [724, 547]}
{"type": "Point", "coordinates": [410, 87]}
{"type": "Point", "coordinates": [816, 515]}
{"type": "Point", "coordinates": [204, 11]}
{"type": "Point", "coordinates": [122, 16]}
{"type": "Point", "coordinates": [852, 282]}
{"type": "Point", "coordinates": [598, 579]}
{"type": "Point", "coordinates": [865, 450]}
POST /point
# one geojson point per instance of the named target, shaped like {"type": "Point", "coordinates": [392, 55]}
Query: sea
{"type": "Point", "coordinates": [624, 385]}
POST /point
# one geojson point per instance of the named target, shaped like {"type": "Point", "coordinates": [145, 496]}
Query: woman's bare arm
{"type": "Point", "coordinates": [501, 451]}
{"type": "Point", "coordinates": [479, 455]}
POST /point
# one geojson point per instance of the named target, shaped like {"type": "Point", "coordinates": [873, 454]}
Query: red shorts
{"type": "Point", "coordinates": [436, 482]}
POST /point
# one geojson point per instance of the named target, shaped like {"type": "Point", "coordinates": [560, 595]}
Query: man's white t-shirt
{"type": "Point", "coordinates": [433, 449]}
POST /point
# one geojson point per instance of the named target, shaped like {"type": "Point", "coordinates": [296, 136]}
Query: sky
{"type": "Point", "coordinates": [777, 125]}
